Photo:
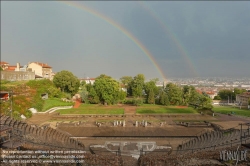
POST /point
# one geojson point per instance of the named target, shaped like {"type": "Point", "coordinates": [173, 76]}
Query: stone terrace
{"type": "Point", "coordinates": [131, 131]}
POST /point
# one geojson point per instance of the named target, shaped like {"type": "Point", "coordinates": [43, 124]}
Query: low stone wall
{"type": "Point", "coordinates": [17, 75]}
{"type": "Point", "coordinates": [70, 116]}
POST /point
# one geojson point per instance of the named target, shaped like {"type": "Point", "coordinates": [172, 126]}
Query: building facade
{"type": "Point", "coordinates": [88, 80]}
{"type": "Point", "coordinates": [17, 75]}
{"type": "Point", "coordinates": [243, 98]}
{"type": "Point", "coordinates": [41, 70]}
{"type": "Point", "coordinates": [4, 65]}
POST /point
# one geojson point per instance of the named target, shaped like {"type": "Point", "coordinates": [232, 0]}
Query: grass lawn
{"type": "Point", "coordinates": [229, 109]}
{"type": "Point", "coordinates": [93, 109]}
{"type": "Point", "coordinates": [158, 109]}
{"type": "Point", "coordinates": [50, 103]}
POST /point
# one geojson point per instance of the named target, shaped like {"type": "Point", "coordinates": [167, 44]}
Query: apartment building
{"type": "Point", "coordinates": [243, 98]}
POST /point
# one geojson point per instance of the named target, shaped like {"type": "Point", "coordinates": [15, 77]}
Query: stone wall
{"type": "Point", "coordinates": [17, 75]}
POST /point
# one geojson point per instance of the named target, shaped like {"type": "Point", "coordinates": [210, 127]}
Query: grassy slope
{"type": "Point", "coordinates": [53, 102]}
{"type": "Point", "coordinates": [93, 109]}
{"type": "Point", "coordinates": [158, 109]}
{"type": "Point", "coordinates": [22, 99]}
{"type": "Point", "coordinates": [229, 109]}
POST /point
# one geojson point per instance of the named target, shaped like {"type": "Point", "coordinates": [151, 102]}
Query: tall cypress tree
{"type": "Point", "coordinates": [151, 98]}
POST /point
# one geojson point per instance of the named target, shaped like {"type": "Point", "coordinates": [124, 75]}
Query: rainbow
{"type": "Point", "coordinates": [119, 27]}
{"type": "Point", "coordinates": [174, 38]}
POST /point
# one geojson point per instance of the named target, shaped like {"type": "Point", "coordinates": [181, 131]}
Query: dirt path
{"type": "Point", "coordinates": [226, 121]}
{"type": "Point", "coordinates": [224, 117]}
{"type": "Point", "coordinates": [38, 119]}
{"type": "Point", "coordinates": [77, 104]}
{"type": "Point", "coordinates": [129, 110]}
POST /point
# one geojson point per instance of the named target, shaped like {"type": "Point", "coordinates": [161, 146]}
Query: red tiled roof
{"type": "Point", "coordinates": [210, 93]}
{"type": "Point", "coordinates": [199, 91]}
{"type": "Point", "coordinates": [10, 68]}
{"type": "Point", "coordinates": [43, 65]}
{"type": "Point", "coordinates": [3, 63]}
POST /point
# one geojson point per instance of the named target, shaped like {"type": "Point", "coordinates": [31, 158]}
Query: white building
{"type": "Point", "coordinates": [41, 70]}
{"type": "Point", "coordinates": [88, 80]}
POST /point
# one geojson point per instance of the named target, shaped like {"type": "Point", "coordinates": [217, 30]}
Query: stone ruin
{"type": "Point", "coordinates": [119, 123]}
{"type": "Point", "coordinates": [45, 135]}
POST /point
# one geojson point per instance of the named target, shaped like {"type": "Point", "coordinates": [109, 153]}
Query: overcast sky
{"type": "Point", "coordinates": [186, 39]}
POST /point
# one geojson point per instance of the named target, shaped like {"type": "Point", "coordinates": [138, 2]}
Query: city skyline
{"type": "Point", "coordinates": [158, 39]}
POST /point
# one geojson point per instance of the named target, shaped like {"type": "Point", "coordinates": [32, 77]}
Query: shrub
{"type": "Point", "coordinates": [4, 82]}
{"type": "Point", "coordinates": [53, 92]}
{"type": "Point", "coordinates": [28, 114]}
{"type": "Point", "coordinates": [137, 101]}
{"type": "Point", "coordinates": [128, 101]}
{"type": "Point", "coordinates": [16, 115]}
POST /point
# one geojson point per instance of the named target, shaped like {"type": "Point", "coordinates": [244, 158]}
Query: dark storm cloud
{"type": "Point", "coordinates": [208, 38]}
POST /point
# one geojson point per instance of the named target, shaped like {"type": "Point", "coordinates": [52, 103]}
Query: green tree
{"type": "Point", "coordinates": [137, 101]}
{"type": "Point", "coordinates": [163, 98]}
{"type": "Point", "coordinates": [151, 97]}
{"type": "Point", "coordinates": [1, 69]}
{"type": "Point", "coordinates": [217, 97]}
{"type": "Point", "coordinates": [151, 85]}
{"type": "Point", "coordinates": [174, 94]}
{"type": "Point", "coordinates": [137, 85]}
{"type": "Point", "coordinates": [194, 96]}
{"type": "Point", "coordinates": [122, 95]}
{"type": "Point", "coordinates": [166, 100]}
{"type": "Point", "coordinates": [88, 87]}
{"type": "Point", "coordinates": [84, 95]}
{"type": "Point", "coordinates": [127, 80]}
{"type": "Point", "coordinates": [205, 102]}
{"type": "Point", "coordinates": [225, 94]}
{"type": "Point", "coordinates": [92, 96]}
{"type": "Point", "coordinates": [155, 80]}
{"type": "Point", "coordinates": [186, 90]}
{"type": "Point", "coordinates": [82, 84]}
{"type": "Point", "coordinates": [238, 91]}
{"type": "Point", "coordinates": [66, 81]}
{"type": "Point", "coordinates": [53, 92]}
{"type": "Point", "coordinates": [83, 91]}
{"type": "Point", "coordinates": [107, 89]}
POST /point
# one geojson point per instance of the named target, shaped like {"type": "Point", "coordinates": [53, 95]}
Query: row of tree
{"type": "Point", "coordinates": [169, 94]}
{"type": "Point", "coordinates": [226, 94]}
{"type": "Point", "coordinates": [107, 90]}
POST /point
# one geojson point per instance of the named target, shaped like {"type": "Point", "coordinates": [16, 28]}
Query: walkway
{"type": "Point", "coordinates": [130, 110]}
{"type": "Point", "coordinates": [77, 103]}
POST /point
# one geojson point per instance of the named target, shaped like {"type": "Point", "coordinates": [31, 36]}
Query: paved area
{"type": "Point", "coordinates": [172, 142]}
{"type": "Point", "coordinates": [131, 148]}
{"type": "Point", "coordinates": [131, 131]}
{"type": "Point", "coordinates": [224, 117]}
{"type": "Point", "coordinates": [227, 121]}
